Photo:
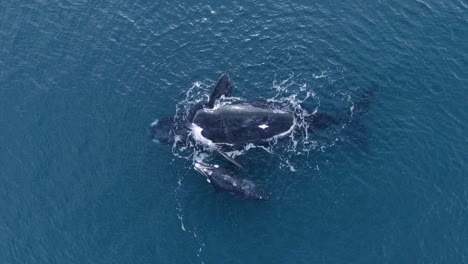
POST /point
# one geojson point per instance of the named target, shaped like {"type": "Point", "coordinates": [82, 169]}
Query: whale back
{"type": "Point", "coordinates": [243, 123]}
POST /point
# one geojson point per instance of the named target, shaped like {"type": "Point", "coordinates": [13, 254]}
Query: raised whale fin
{"type": "Point", "coordinates": [223, 87]}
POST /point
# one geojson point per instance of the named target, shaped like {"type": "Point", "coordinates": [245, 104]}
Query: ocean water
{"type": "Point", "coordinates": [81, 81]}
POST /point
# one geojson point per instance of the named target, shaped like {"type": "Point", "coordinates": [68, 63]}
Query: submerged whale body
{"type": "Point", "coordinates": [235, 125]}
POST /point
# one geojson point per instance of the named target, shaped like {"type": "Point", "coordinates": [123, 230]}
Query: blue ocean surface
{"type": "Point", "coordinates": [81, 81]}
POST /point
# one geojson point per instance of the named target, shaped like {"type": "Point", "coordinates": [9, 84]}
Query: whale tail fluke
{"type": "Point", "coordinates": [355, 127]}
{"type": "Point", "coordinates": [361, 107]}
{"type": "Point", "coordinates": [350, 121]}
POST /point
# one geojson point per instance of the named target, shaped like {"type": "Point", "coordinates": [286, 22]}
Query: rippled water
{"type": "Point", "coordinates": [80, 82]}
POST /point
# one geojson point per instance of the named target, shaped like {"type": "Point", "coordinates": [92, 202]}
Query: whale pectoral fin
{"type": "Point", "coordinates": [223, 87]}
{"type": "Point", "coordinates": [233, 161]}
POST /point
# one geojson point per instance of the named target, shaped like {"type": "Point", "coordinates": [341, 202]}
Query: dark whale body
{"type": "Point", "coordinates": [243, 123]}
{"type": "Point", "coordinates": [227, 181]}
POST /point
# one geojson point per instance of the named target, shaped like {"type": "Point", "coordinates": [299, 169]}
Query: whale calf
{"type": "Point", "coordinates": [227, 181]}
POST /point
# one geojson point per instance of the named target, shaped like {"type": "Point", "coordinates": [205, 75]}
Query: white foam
{"type": "Point", "coordinates": [155, 122]}
{"type": "Point", "coordinates": [181, 218]}
{"type": "Point", "coordinates": [321, 75]}
{"type": "Point", "coordinates": [291, 167]}
{"type": "Point", "coordinates": [304, 87]}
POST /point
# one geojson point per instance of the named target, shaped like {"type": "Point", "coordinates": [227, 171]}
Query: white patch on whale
{"type": "Point", "coordinates": [196, 132]}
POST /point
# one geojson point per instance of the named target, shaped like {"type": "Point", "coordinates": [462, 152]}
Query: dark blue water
{"type": "Point", "coordinates": [80, 82]}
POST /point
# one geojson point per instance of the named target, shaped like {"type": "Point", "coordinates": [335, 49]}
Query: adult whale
{"type": "Point", "coordinates": [234, 125]}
